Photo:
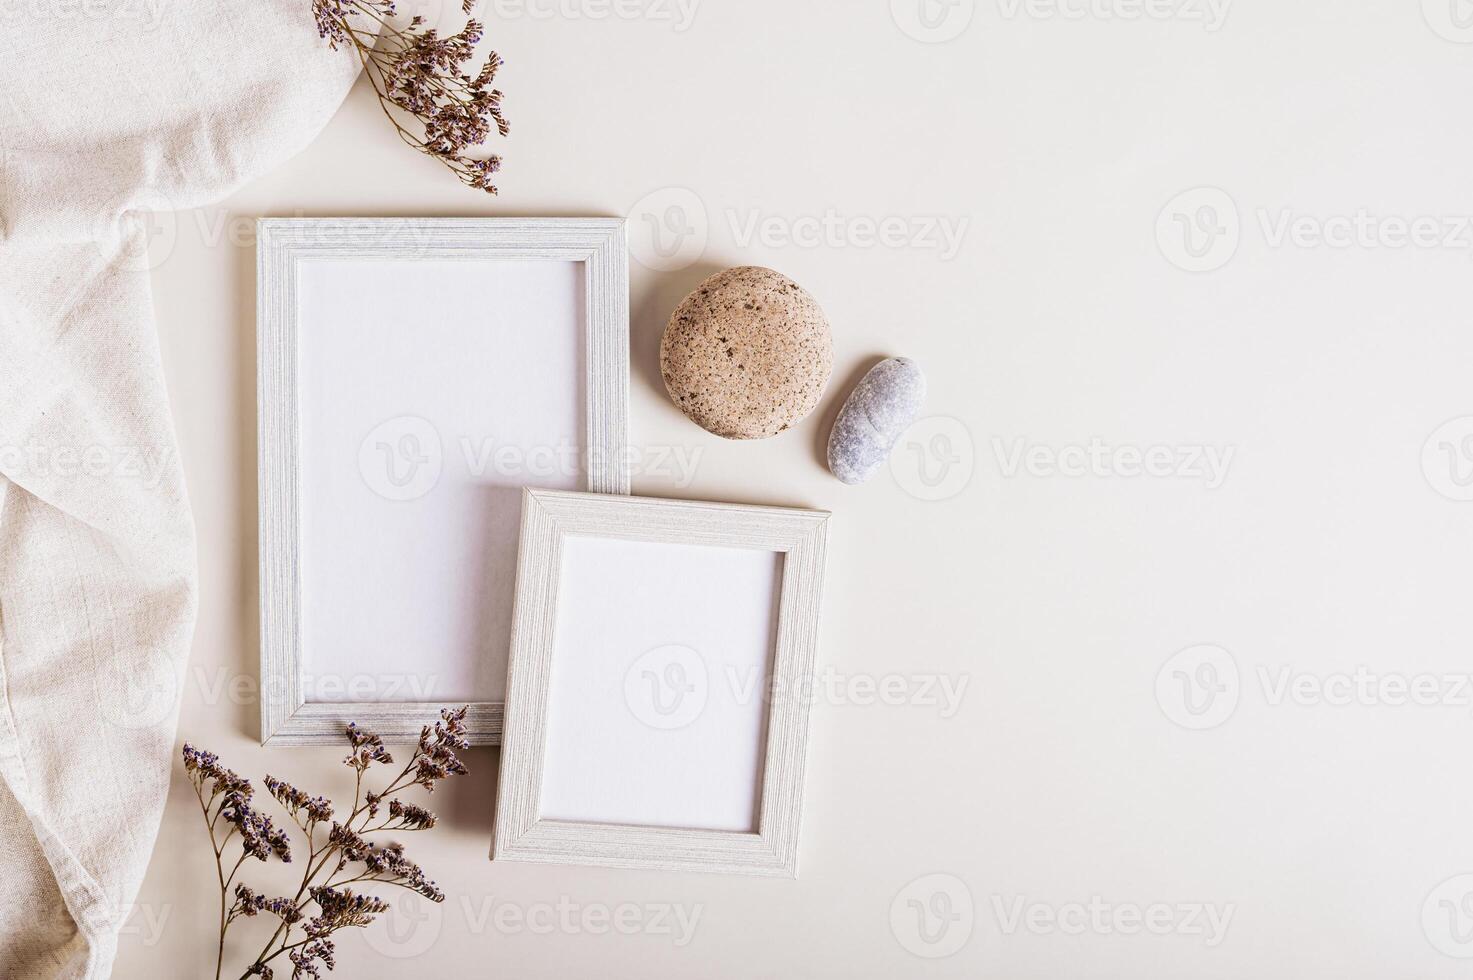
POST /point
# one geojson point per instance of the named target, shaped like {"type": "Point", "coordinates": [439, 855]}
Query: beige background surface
{"type": "Point", "coordinates": [1068, 801]}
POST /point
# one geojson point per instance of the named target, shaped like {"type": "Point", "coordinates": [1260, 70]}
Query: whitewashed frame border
{"type": "Point", "coordinates": [548, 518]}
{"type": "Point", "coordinates": [282, 245]}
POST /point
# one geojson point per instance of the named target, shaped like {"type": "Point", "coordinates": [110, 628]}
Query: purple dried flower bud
{"type": "Point", "coordinates": [368, 748]}
{"type": "Point", "coordinates": [435, 758]}
{"type": "Point", "coordinates": [259, 837]}
{"type": "Point", "coordinates": [204, 767]}
{"type": "Point", "coordinates": [411, 817]}
{"type": "Point", "coordinates": [340, 908]}
{"type": "Point", "coordinates": [305, 959]}
{"type": "Point", "coordinates": [294, 800]}
{"type": "Point", "coordinates": [250, 903]}
{"type": "Point", "coordinates": [198, 758]}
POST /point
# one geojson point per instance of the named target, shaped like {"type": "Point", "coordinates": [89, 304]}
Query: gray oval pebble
{"type": "Point", "coordinates": [878, 411]}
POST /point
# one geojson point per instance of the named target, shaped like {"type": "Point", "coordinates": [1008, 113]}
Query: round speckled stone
{"type": "Point", "coordinates": [747, 354]}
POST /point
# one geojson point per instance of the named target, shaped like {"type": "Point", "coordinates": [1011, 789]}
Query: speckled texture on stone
{"type": "Point", "coordinates": [877, 413]}
{"type": "Point", "coordinates": [747, 354]}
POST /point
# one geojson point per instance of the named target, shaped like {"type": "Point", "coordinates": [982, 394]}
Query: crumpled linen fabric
{"type": "Point", "coordinates": [108, 109]}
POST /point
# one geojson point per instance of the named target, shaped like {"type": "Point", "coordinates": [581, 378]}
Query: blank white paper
{"type": "Point", "coordinates": [657, 703]}
{"type": "Point", "coordinates": [431, 392]}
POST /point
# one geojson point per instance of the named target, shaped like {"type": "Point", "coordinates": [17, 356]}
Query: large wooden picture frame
{"type": "Point", "coordinates": [407, 312]}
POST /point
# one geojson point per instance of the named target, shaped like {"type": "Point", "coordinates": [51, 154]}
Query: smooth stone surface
{"type": "Point", "coordinates": [878, 411]}
{"type": "Point", "coordinates": [747, 354]}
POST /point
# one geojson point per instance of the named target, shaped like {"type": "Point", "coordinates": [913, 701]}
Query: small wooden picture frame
{"type": "Point", "coordinates": [414, 375]}
{"type": "Point", "coordinates": [656, 714]}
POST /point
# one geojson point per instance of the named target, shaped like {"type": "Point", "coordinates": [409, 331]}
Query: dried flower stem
{"type": "Point", "coordinates": [416, 72]}
{"type": "Point", "coordinates": [321, 858]}
{"type": "Point", "coordinates": [228, 797]}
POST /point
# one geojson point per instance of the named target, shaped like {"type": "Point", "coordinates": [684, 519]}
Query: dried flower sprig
{"type": "Point", "coordinates": [259, 837]}
{"type": "Point", "coordinates": [340, 857]}
{"type": "Point", "coordinates": [416, 72]}
{"type": "Point", "coordinates": [368, 748]}
{"type": "Point", "coordinates": [316, 809]}
{"type": "Point", "coordinates": [249, 903]}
